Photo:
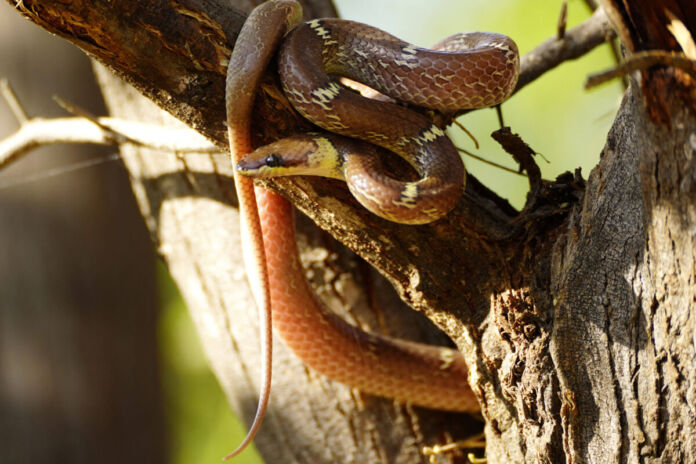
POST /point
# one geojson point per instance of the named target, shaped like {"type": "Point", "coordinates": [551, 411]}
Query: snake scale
{"type": "Point", "coordinates": [469, 71]}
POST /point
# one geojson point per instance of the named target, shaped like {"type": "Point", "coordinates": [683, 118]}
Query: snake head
{"type": "Point", "coordinates": [307, 154]}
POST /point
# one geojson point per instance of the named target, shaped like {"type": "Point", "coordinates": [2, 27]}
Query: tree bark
{"type": "Point", "coordinates": [573, 315]}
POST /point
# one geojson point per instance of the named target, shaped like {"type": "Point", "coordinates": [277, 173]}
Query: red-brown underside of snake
{"type": "Point", "coordinates": [425, 375]}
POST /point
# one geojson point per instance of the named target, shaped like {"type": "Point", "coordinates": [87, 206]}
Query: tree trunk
{"type": "Point", "coordinates": [79, 364]}
{"type": "Point", "coordinates": [573, 315]}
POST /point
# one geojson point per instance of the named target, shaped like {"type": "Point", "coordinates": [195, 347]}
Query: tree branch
{"type": "Point", "coordinates": [643, 60]}
{"type": "Point", "coordinates": [575, 43]}
{"type": "Point", "coordinates": [190, 42]}
{"type": "Point", "coordinates": [574, 318]}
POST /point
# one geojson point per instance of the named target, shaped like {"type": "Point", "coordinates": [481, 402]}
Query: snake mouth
{"type": "Point", "coordinates": [270, 165]}
{"type": "Point", "coordinates": [247, 167]}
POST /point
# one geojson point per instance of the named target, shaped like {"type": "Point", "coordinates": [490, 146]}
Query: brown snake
{"type": "Point", "coordinates": [484, 75]}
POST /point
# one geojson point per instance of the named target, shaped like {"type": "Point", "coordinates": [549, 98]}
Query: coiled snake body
{"type": "Point", "coordinates": [483, 74]}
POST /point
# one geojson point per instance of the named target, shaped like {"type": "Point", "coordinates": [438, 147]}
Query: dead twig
{"type": "Point", "coordinates": [87, 128]}
{"type": "Point", "coordinates": [643, 60]}
{"type": "Point", "coordinates": [576, 42]}
{"type": "Point", "coordinates": [562, 21]}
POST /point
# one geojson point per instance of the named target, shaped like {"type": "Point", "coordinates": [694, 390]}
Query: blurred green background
{"type": "Point", "coordinates": [554, 115]}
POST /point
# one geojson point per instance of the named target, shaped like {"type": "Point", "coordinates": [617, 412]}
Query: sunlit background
{"type": "Point", "coordinates": [554, 115]}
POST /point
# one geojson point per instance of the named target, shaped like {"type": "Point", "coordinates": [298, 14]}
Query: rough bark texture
{"type": "Point", "coordinates": [575, 317]}
{"type": "Point", "coordinates": [624, 289]}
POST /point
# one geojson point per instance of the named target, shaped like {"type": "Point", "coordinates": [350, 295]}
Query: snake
{"type": "Point", "coordinates": [468, 71]}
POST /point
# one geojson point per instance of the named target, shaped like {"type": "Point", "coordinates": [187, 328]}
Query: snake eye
{"type": "Point", "coordinates": [273, 161]}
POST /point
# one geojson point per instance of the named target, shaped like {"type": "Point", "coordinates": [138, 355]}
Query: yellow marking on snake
{"type": "Point", "coordinates": [442, 77]}
{"type": "Point", "coordinates": [298, 95]}
{"type": "Point", "coordinates": [432, 212]}
{"type": "Point", "coordinates": [432, 133]}
{"type": "Point", "coordinates": [326, 158]}
{"type": "Point", "coordinates": [372, 199]}
{"type": "Point", "coordinates": [324, 95]}
{"type": "Point", "coordinates": [321, 31]}
{"type": "Point", "coordinates": [500, 46]}
{"type": "Point", "coordinates": [408, 196]}
{"type": "Point", "coordinates": [408, 64]}
{"type": "Point", "coordinates": [336, 121]}
{"type": "Point", "coordinates": [409, 52]}
{"type": "Point", "coordinates": [375, 135]}
{"type": "Point", "coordinates": [408, 55]}
{"type": "Point", "coordinates": [428, 135]}
{"type": "Point", "coordinates": [410, 49]}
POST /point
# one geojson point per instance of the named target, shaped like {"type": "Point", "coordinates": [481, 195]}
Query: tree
{"type": "Point", "coordinates": [78, 346]}
{"type": "Point", "coordinates": [573, 315]}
